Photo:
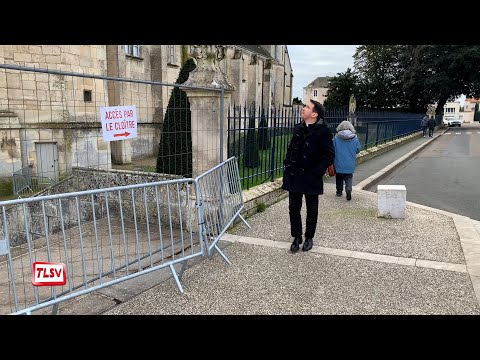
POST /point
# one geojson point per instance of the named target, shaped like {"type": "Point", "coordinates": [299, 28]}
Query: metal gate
{"type": "Point", "coordinates": [106, 236]}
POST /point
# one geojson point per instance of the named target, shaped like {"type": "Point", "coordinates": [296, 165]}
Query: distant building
{"type": "Point", "coordinates": [451, 108]}
{"type": "Point", "coordinates": [451, 113]}
{"type": "Point", "coordinates": [316, 90]}
{"type": "Point", "coordinates": [469, 109]}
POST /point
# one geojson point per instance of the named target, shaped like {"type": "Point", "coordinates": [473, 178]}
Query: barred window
{"type": "Point", "coordinates": [87, 95]}
{"type": "Point", "coordinates": [315, 93]}
{"type": "Point", "coordinates": [132, 50]}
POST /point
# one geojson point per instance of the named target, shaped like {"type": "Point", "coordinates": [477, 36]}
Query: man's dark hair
{"type": "Point", "coordinates": [319, 109]}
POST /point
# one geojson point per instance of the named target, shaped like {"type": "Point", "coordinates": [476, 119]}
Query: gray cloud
{"type": "Point", "coordinates": [312, 61]}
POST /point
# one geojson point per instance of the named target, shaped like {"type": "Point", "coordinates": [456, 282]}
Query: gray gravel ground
{"type": "Point", "coordinates": [354, 225]}
{"type": "Point", "coordinates": [267, 279]}
{"type": "Point", "coordinates": [271, 280]}
{"type": "Point", "coordinates": [264, 280]}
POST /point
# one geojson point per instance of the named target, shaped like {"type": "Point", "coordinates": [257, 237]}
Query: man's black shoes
{"type": "Point", "coordinates": [296, 244]}
{"type": "Point", "coordinates": [307, 245]}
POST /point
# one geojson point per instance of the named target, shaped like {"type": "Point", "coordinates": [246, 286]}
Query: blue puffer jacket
{"type": "Point", "coordinates": [347, 146]}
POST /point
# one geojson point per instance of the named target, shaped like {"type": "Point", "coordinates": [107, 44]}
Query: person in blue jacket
{"type": "Point", "coordinates": [347, 146]}
{"type": "Point", "coordinates": [424, 125]}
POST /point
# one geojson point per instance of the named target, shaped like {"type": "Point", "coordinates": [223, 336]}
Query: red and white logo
{"type": "Point", "coordinates": [49, 273]}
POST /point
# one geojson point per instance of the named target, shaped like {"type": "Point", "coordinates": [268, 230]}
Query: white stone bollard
{"type": "Point", "coordinates": [391, 201]}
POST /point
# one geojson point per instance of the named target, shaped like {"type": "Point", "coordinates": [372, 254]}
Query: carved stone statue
{"type": "Point", "coordinates": [352, 104]}
{"type": "Point", "coordinates": [208, 73]}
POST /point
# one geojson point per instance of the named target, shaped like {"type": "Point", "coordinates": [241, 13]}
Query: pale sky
{"type": "Point", "coordinates": [312, 61]}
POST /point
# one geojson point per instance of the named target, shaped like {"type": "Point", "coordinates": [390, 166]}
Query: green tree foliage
{"type": "Point", "coordinates": [340, 88]}
{"type": "Point", "coordinates": [251, 157]}
{"type": "Point", "coordinates": [175, 149]}
{"type": "Point", "coordinates": [440, 73]}
{"type": "Point", "coordinates": [378, 71]}
{"type": "Point", "coordinates": [263, 139]}
{"type": "Point", "coordinates": [411, 77]}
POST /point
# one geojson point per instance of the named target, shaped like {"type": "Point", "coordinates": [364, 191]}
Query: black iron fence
{"type": "Point", "coordinates": [259, 137]}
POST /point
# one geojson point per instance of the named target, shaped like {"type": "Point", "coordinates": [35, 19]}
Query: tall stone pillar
{"type": "Point", "coordinates": [236, 76]}
{"type": "Point", "coordinates": [253, 81]}
{"type": "Point", "coordinates": [209, 127]}
{"type": "Point", "coordinates": [121, 149]}
{"type": "Point", "coordinates": [267, 85]}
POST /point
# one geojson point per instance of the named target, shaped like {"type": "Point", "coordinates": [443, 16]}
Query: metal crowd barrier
{"type": "Point", "coordinates": [106, 236]}
{"type": "Point", "coordinates": [25, 184]}
{"type": "Point", "coordinates": [221, 202]}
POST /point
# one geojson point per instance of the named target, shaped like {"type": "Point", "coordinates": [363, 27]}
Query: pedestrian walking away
{"type": "Point", "coordinates": [424, 125]}
{"type": "Point", "coordinates": [309, 153]}
{"type": "Point", "coordinates": [431, 126]}
{"type": "Point", "coordinates": [347, 146]}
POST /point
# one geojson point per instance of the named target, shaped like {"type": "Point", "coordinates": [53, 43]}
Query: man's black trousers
{"type": "Point", "coordinates": [294, 207]}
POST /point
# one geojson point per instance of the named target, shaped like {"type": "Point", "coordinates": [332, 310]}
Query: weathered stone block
{"type": "Point", "coordinates": [391, 201]}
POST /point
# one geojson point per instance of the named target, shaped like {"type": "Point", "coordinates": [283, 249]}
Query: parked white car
{"type": "Point", "coordinates": [452, 120]}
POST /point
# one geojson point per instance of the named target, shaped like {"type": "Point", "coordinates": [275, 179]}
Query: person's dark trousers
{"type": "Point", "coordinates": [430, 132]}
{"type": "Point", "coordinates": [424, 131]}
{"type": "Point", "coordinates": [294, 207]}
{"type": "Point", "coordinates": [340, 178]}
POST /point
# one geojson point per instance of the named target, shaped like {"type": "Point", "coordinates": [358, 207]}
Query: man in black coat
{"type": "Point", "coordinates": [309, 154]}
{"type": "Point", "coordinates": [431, 126]}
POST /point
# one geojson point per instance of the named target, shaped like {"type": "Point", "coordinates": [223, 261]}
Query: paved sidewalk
{"type": "Point", "coordinates": [427, 263]}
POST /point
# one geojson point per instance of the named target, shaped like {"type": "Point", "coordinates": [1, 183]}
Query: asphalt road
{"type": "Point", "coordinates": [446, 174]}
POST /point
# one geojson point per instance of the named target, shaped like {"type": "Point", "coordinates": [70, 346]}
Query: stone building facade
{"type": "Point", "coordinates": [51, 121]}
{"type": "Point", "coordinates": [316, 90]}
{"type": "Point", "coordinates": [469, 109]}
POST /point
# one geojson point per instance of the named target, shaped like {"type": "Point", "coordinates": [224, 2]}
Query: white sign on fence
{"type": "Point", "coordinates": [119, 122]}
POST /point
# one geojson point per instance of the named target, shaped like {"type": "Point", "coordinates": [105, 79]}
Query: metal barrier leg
{"type": "Point", "coordinates": [241, 217]}
{"type": "Point", "coordinates": [184, 266]}
{"type": "Point", "coordinates": [174, 273]}
{"type": "Point", "coordinates": [222, 254]}
{"type": "Point", "coordinates": [55, 309]}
